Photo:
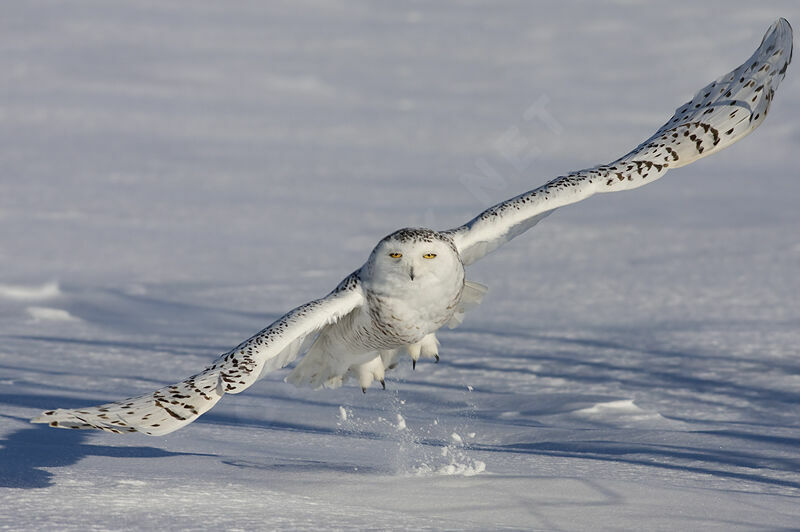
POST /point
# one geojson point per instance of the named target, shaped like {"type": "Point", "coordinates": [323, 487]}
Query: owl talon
{"type": "Point", "coordinates": [413, 364]}
{"type": "Point", "coordinates": [437, 358]}
{"type": "Point", "coordinates": [383, 384]}
{"type": "Point", "coordinates": [363, 390]}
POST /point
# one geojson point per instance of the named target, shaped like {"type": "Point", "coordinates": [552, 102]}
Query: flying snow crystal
{"type": "Point", "coordinates": [413, 282]}
{"type": "Point", "coordinates": [458, 463]}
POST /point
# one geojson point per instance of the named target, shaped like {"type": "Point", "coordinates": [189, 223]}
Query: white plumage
{"type": "Point", "coordinates": [413, 282]}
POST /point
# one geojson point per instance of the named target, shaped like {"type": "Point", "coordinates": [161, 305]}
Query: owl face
{"type": "Point", "coordinates": [415, 258]}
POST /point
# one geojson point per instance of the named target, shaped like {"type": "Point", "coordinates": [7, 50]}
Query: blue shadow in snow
{"type": "Point", "coordinates": [26, 452]}
{"type": "Point", "coordinates": [761, 469]}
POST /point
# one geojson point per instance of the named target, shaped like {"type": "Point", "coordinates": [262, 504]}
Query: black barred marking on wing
{"type": "Point", "coordinates": [172, 407]}
{"type": "Point", "coordinates": [721, 113]}
{"type": "Point", "coordinates": [243, 360]}
{"type": "Point", "coordinates": [350, 282]}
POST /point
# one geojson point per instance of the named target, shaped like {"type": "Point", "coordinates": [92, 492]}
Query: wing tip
{"type": "Point", "coordinates": [47, 416]}
{"type": "Point", "coordinates": [38, 419]}
{"type": "Point", "coordinates": [780, 31]}
{"type": "Point", "coordinates": [783, 24]}
{"type": "Point", "coordinates": [67, 419]}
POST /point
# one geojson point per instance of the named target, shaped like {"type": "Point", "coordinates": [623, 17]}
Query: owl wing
{"type": "Point", "coordinates": [720, 114]}
{"type": "Point", "coordinates": [172, 407]}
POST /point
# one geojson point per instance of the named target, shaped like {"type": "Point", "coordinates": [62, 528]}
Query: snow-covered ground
{"type": "Point", "coordinates": [174, 176]}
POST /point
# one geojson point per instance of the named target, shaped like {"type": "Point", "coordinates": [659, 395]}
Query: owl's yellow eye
{"type": "Point", "coordinates": [395, 255]}
{"type": "Point", "coordinates": [429, 256]}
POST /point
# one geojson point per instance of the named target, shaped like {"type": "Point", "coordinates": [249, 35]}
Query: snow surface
{"type": "Point", "coordinates": [174, 176]}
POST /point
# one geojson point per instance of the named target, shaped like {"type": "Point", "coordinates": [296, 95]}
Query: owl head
{"type": "Point", "coordinates": [414, 258]}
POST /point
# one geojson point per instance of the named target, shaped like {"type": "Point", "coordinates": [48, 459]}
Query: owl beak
{"type": "Point", "coordinates": [411, 273]}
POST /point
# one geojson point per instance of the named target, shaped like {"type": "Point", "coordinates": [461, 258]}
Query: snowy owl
{"type": "Point", "coordinates": [413, 282]}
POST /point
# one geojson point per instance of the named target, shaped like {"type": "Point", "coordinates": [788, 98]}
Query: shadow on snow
{"type": "Point", "coordinates": [28, 451]}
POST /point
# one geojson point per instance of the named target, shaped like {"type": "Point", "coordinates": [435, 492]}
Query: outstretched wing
{"type": "Point", "coordinates": [719, 114]}
{"type": "Point", "coordinates": [172, 407]}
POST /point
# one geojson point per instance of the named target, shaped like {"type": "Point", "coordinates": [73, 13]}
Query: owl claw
{"type": "Point", "coordinates": [437, 358]}
{"type": "Point", "coordinates": [363, 389]}
{"type": "Point", "coordinates": [383, 384]}
{"type": "Point", "coordinates": [413, 364]}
